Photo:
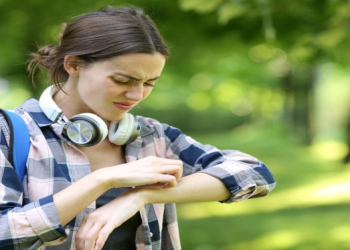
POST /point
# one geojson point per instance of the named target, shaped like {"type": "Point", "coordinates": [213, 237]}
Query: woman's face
{"type": "Point", "coordinates": [110, 88]}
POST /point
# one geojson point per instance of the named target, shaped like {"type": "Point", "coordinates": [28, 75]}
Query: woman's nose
{"type": "Point", "coordinates": [135, 92]}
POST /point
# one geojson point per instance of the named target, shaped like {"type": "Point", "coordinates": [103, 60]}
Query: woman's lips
{"type": "Point", "coordinates": [124, 105]}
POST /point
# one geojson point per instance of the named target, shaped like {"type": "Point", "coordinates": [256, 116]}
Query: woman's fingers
{"type": "Point", "coordinates": [92, 237]}
{"type": "Point", "coordinates": [98, 225]}
{"type": "Point", "coordinates": [165, 178]}
{"type": "Point", "coordinates": [147, 171]}
{"type": "Point", "coordinates": [178, 169]}
{"type": "Point", "coordinates": [166, 166]}
{"type": "Point", "coordinates": [87, 233]}
{"type": "Point", "coordinates": [102, 236]}
{"type": "Point", "coordinates": [80, 234]}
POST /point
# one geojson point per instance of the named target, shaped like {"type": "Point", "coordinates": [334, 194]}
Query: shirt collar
{"type": "Point", "coordinates": [34, 110]}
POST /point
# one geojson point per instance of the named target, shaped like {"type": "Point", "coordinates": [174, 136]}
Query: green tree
{"type": "Point", "coordinates": [292, 38]}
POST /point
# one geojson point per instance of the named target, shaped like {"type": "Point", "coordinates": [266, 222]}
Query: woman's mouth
{"type": "Point", "coordinates": [124, 105]}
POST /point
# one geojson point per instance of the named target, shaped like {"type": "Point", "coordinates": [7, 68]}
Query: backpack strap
{"type": "Point", "coordinates": [19, 142]}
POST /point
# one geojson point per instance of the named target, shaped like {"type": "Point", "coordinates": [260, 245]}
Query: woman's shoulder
{"type": "Point", "coordinates": [149, 125]}
{"type": "Point", "coordinates": [148, 121]}
{"type": "Point", "coordinates": [162, 129]}
{"type": "Point", "coordinates": [154, 123]}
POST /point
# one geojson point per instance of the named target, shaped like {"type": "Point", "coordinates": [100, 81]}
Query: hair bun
{"type": "Point", "coordinates": [48, 50]}
{"type": "Point", "coordinates": [44, 57]}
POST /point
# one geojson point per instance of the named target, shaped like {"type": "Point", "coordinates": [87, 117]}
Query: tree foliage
{"type": "Point", "coordinates": [232, 61]}
{"type": "Point", "coordinates": [293, 39]}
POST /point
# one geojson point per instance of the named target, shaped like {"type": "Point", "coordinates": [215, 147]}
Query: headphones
{"type": "Point", "coordinates": [88, 129]}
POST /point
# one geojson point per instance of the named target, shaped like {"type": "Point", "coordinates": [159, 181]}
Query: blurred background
{"type": "Point", "coordinates": [267, 77]}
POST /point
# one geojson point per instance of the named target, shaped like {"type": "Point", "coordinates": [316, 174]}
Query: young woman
{"type": "Point", "coordinates": [86, 190]}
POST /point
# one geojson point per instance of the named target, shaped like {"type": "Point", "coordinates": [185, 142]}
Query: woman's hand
{"type": "Point", "coordinates": [150, 171]}
{"type": "Point", "coordinates": [147, 171]}
{"type": "Point", "coordinates": [97, 226]}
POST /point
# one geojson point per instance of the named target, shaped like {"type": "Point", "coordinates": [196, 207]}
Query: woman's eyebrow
{"type": "Point", "coordinates": [137, 79]}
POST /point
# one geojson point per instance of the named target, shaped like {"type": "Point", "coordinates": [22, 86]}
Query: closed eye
{"type": "Point", "coordinates": [121, 82]}
{"type": "Point", "coordinates": [149, 84]}
{"type": "Point", "coordinates": [130, 81]}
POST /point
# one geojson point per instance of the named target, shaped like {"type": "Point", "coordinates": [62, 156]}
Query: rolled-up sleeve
{"type": "Point", "coordinates": [243, 175]}
{"type": "Point", "coordinates": [243, 180]}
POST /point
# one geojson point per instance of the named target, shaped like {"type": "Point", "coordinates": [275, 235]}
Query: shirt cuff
{"type": "Point", "coordinates": [236, 177]}
{"type": "Point", "coordinates": [44, 219]}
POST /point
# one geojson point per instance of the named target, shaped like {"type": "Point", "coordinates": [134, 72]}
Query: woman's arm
{"type": "Point", "coordinates": [193, 188]}
{"type": "Point", "coordinates": [97, 226]}
{"type": "Point", "coordinates": [229, 181]}
{"type": "Point", "coordinates": [243, 175]}
{"type": "Point", "coordinates": [150, 170]}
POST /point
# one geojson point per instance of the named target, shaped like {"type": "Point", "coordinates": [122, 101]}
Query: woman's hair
{"type": "Point", "coordinates": [100, 35]}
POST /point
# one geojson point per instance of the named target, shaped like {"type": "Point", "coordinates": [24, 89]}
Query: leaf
{"type": "Point", "coordinates": [231, 10]}
{"type": "Point", "coordinates": [330, 38]}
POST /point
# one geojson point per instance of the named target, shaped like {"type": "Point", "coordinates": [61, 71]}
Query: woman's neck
{"type": "Point", "coordinates": [67, 99]}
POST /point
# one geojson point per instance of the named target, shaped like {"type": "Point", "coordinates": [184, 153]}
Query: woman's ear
{"type": "Point", "coordinates": [72, 65]}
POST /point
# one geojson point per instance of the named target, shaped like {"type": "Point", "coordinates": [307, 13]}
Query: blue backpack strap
{"type": "Point", "coordinates": [19, 142]}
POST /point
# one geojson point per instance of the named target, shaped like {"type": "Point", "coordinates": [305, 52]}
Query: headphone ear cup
{"type": "Point", "coordinates": [86, 130]}
{"type": "Point", "coordinates": [125, 130]}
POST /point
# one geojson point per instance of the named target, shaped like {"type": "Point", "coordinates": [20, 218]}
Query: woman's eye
{"type": "Point", "coordinates": [149, 84]}
{"type": "Point", "coordinates": [121, 82]}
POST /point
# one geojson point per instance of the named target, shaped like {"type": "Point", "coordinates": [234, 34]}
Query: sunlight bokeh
{"type": "Point", "coordinates": [13, 98]}
{"type": "Point", "coordinates": [329, 150]}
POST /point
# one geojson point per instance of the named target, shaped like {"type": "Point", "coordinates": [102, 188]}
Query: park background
{"type": "Point", "coordinates": [267, 77]}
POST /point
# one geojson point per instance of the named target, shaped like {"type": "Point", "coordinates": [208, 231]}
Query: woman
{"type": "Point", "coordinates": [89, 191]}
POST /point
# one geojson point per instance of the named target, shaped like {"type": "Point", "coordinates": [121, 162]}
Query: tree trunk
{"type": "Point", "coordinates": [347, 157]}
{"type": "Point", "coordinates": [301, 84]}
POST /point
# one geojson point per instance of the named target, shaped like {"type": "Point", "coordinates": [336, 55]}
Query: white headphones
{"type": "Point", "coordinates": [87, 129]}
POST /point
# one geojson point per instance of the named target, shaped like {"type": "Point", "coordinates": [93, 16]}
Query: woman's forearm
{"type": "Point", "coordinates": [75, 198]}
{"type": "Point", "coordinates": [147, 171]}
{"type": "Point", "coordinates": [193, 188]}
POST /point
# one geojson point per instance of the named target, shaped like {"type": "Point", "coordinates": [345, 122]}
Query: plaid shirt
{"type": "Point", "coordinates": [29, 219]}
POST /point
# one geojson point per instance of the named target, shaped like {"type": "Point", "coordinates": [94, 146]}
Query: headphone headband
{"type": "Point", "coordinates": [48, 105]}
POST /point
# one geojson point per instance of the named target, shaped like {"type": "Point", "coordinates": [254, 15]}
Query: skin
{"type": "Point", "coordinates": [109, 89]}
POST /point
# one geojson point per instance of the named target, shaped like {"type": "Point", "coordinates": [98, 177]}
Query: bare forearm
{"type": "Point", "coordinates": [147, 171]}
{"type": "Point", "coordinates": [75, 198]}
{"type": "Point", "coordinates": [193, 188]}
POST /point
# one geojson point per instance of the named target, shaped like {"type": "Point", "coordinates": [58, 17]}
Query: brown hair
{"type": "Point", "coordinates": [100, 35]}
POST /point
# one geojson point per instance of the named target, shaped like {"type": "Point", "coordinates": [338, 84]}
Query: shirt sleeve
{"type": "Point", "coordinates": [22, 226]}
{"type": "Point", "coordinates": [243, 175]}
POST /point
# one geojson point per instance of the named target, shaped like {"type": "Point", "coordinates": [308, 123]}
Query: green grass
{"type": "Point", "coordinates": [308, 209]}
{"type": "Point", "coordinates": [317, 227]}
